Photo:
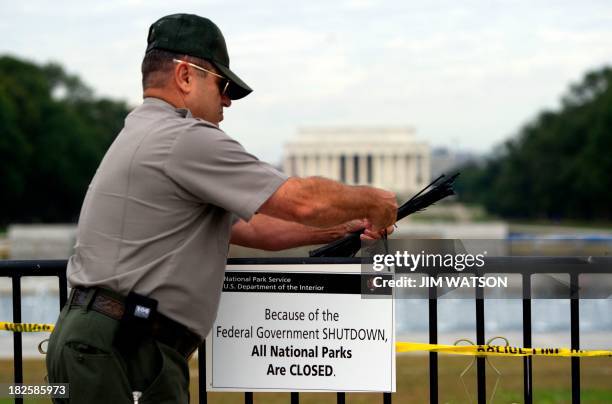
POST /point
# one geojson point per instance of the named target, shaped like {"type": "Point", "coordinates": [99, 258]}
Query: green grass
{"type": "Point", "coordinates": [551, 379]}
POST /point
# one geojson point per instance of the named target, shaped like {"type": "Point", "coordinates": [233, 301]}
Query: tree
{"type": "Point", "coordinates": [558, 166]}
{"type": "Point", "coordinates": [53, 133]}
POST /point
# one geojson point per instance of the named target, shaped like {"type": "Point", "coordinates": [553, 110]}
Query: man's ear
{"type": "Point", "coordinates": [182, 78]}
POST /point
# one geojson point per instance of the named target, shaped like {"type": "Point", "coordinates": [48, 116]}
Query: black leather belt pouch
{"type": "Point", "coordinates": [137, 320]}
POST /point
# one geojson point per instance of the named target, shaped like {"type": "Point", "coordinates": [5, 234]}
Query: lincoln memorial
{"type": "Point", "coordinates": [385, 157]}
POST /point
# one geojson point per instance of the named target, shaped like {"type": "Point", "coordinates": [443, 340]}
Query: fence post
{"type": "Point", "coordinates": [575, 330]}
{"type": "Point", "coordinates": [480, 340]}
{"type": "Point", "coordinates": [17, 340]}
{"type": "Point", "coordinates": [433, 339]}
{"type": "Point", "coordinates": [527, 364]}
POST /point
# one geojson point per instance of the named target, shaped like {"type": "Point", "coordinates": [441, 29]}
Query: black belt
{"type": "Point", "coordinates": [164, 329]}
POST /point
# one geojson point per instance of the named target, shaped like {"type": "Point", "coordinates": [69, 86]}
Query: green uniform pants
{"type": "Point", "coordinates": [82, 352]}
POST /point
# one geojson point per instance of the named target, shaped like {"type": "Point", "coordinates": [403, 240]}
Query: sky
{"type": "Point", "coordinates": [464, 74]}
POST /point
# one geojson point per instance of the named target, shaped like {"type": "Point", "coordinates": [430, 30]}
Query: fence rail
{"type": "Point", "coordinates": [532, 265]}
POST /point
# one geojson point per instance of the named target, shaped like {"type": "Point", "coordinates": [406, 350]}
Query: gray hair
{"type": "Point", "coordinates": [157, 65]}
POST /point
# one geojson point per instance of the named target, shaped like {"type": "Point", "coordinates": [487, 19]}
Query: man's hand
{"type": "Point", "coordinates": [365, 225]}
{"type": "Point", "coordinates": [384, 213]}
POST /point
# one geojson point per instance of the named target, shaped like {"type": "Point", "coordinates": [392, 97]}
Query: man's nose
{"type": "Point", "coordinates": [226, 101]}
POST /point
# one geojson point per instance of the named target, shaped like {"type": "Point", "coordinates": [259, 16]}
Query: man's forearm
{"type": "Point", "coordinates": [272, 234]}
{"type": "Point", "coordinates": [334, 202]}
{"type": "Point", "coordinates": [321, 202]}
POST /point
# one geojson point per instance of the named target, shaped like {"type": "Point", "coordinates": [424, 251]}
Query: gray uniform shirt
{"type": "Point", "coordinates": [158, 213]}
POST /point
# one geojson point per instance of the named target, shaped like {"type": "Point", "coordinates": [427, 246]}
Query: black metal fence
{"type": "Point", "coordinates": [529, 266]}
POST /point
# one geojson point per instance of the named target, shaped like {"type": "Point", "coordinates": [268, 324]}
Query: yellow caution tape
{"type": "Point", "coordinates": [496, 350]}
{"type": "Point", "coordinates": [472, 350]}
{"type": "Point", "coordinates": [26, 327]}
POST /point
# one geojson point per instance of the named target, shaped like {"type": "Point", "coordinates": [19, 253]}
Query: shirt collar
{"type": "Point", "coordinates": [184, 112]}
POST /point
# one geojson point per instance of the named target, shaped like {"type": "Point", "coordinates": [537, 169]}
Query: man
{"type": "Point", "coordinates": [169, 196]}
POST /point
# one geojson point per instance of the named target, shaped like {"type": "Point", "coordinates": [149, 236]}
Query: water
{"type": "Point", "coordinates": [40, 307]}
{"type": "Point", "coordinates": [411, 314]}
{"type": "Point", "coordinates": [548, 315]}
{"type": "Point", "coordinates": [456, 319]}
{"type": "Point", "coordinates": [35, 308]}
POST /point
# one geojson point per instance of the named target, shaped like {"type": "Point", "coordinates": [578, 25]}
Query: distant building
{"type": "Point", "coordinates": [390, 158]}
{"type": "Point", "coordinates": [445, 161]}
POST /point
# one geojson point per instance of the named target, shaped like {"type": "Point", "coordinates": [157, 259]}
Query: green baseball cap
{"type": "Point", "coordinates": [197, 36]}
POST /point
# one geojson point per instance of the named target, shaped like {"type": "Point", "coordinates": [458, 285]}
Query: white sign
{"type": "Point", "coordinates": [300, 328]}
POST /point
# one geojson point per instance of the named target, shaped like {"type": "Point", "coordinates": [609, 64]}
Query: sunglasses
{"type": "Point", "coordinates": [223, 83]}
